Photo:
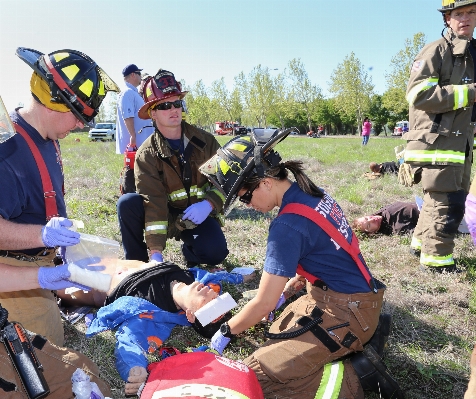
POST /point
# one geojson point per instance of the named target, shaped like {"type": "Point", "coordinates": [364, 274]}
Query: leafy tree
{"type": "Point", "coordinates": [228, 101]}
{"type": "Point", "coordinates": [202, 112]}
{"type": "Point", "coordinates": [352, 87]}
{"type": "Point", "coordinates": [378, 114]}
{"type": "Point", "coordinates": [303, 91]}
{"type": "Point", "coordinates": [328, 115]}
{"type": "Point", "coordinates": [397, 80]}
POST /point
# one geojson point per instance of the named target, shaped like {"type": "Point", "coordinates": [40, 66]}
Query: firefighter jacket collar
{"type": "Point", "coordinates": [459, 44]}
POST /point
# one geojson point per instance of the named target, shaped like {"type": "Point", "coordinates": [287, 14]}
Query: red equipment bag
{"type": "Point", "coordinates": [201, 375]}
{"type": "Point", "coordinates": [127, 182]}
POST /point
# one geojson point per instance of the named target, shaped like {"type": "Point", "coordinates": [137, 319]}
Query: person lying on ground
{"type": "Point", "coordinates": [396, 218]}
{"type": "Point", "coordinates": [147, 304]}
{"type": "Point", "coordinates": [384, 167]}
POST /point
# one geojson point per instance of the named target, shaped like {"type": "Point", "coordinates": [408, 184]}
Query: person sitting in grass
{"type": "Point", "coordinates": [145, 302]}
{"type": "Point", "coordinates": [384, 168]}
{"type": "Point", "coordinates": [396, 218]}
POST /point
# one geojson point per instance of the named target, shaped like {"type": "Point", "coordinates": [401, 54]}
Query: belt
{"type": "Point", "coordinates": [28, 258]}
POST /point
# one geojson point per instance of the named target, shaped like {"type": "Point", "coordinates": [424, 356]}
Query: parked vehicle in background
{"type": "Point", "coordinates": [103, 131]}
{"type": "Point", "coordinates": [227, 127]}
{"type": "Point", "coordinates": [401, 128]}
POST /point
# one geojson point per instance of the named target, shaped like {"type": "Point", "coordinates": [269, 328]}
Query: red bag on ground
{"type": "Point", "coordinates": [201, 375]}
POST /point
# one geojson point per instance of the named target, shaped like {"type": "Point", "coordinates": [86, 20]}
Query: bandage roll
{"type": "Point", "coordinates": [89, 278]}
{"type": "Point", "coordinates": [214, 309]}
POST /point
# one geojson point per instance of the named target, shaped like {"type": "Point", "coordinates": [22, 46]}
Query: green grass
{"type": "Point", "coordinates": [433, 315]}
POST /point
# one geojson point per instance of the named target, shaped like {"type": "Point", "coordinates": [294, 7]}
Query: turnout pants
{"type": "Point", "coordinates": [59, 364]}
{"type": "Point", "coordinates": [293, 367]}
{"type": "Point", "coordinates": [37, 310]}
{"type": "Point", "coordinates": [205, 244]}
{"type": "Point", "coordinates": [445, 189]}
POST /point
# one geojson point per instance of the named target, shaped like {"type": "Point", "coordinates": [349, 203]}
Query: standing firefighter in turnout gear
{"type": "Point", "coordinates": [173, 200]}
{"type": "Point", "coordinates": [311, 240]}
{"type": "Point", "coordinates": [441, 95]}
{"type": "Point", "coordinates": [67, 89]}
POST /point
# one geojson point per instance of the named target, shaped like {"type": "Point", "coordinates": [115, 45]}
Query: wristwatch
{"type": "Point", "coordinates": [225, 331]}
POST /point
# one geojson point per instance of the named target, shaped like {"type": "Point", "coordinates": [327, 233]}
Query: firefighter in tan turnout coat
{"type": "Point", "coordinates": [441, 95]}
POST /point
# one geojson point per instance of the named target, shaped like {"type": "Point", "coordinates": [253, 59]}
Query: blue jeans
{"type": "Point", "coordinates": [365, 140]}
{"type": "Point", "coordinates": [205, 244]}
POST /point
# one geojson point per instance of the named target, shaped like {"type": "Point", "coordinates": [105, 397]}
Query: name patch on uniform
{"type": "Point", "coordinates": [417, 65]}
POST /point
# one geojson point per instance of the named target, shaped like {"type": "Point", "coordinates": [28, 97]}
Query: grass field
{"type": "Point", "coordinates": [433, 315]}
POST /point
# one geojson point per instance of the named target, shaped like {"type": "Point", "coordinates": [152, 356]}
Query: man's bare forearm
{"type": "Point", "coordinates": [15, 236]}
{"type": "Point", "coordinates": [16, 278]}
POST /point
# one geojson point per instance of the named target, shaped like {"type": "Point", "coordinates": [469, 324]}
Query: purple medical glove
{"type": "Point", "coordinates": [198, 212]}
{"type": "Point", "coordinates": [280, 303]}
{"type": "Point", "coordinates": [157, 256]}
{"type": "Point", "coordinates": [56, 278]}
{"type": "Point", "coordinates": [219, 342]}
{"type": "Point", "coordinates": [470, 215]}
{"type": "Point", "coordinates": [56, 233]}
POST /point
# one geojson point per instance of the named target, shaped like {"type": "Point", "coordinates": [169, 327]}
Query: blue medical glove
{"type": "Point", "coordinates": [56, 233]}
{"type": "Point", "coordinates": [280, 303]}
{"type": "Point", "coordinates": [157, 256]}
{"type": "Point", "coordinates": [198, 212]}
{"type": "Point", "coordinates": [56, 278]}
{"type": "Point", "coordinates": [219, 342]}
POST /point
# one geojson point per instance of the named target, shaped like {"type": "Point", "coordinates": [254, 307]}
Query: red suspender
{"type": "Point", "coordinates": [49, 193]}
{"type": "Point", "coordinates": [328, 227]}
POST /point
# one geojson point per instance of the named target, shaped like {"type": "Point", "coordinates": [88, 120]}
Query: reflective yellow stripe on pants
{"type": "Point", "coordinates": [331, 381]}
{"type": "Point", "coordinates": [430, 260]}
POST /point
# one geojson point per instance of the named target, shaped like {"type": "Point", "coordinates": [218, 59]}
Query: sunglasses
{"type": "Point", "coordinates": [168, 105]}
{"type": "Point", "coordinates": [246, 197]}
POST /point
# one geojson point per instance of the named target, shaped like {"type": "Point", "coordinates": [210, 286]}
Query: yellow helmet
{"type": "Point", "coordinates": [449, 5]}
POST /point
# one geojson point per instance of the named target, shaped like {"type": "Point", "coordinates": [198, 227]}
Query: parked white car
{"type": "Point", "coordinates": [103, 131]}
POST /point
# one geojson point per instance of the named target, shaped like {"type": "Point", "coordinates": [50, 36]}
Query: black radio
{"type": "Point", "coordinates": [24, 359]}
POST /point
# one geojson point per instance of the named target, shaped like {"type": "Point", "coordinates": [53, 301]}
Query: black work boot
{"type": "Point", "coordinates": [380, 337]}
{"type": "Point", "coordinates": [373, 374]}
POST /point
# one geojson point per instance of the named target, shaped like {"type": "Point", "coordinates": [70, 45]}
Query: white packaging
{"type": "Point", "coordinates": [214, 309]}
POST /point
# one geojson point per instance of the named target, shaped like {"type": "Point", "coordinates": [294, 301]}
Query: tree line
{"type": "Point", "coordinates": [262, 98]}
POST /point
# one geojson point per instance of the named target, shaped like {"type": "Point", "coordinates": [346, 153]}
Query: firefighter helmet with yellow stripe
{"type": "Point", "coordinates": [242, 158]}
{"type": "Point", "coordinates": [74, 79]}
{"type": "Point", "coordinates": [449, 5]}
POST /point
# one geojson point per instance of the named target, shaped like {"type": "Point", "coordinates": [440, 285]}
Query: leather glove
{"type": "Point", "coordinates": [280, 303]}
{"type": "Point", "coordinates": [470, 215]}
{"type": "Point", "coordinates": [56, 233]}
{"type": "Point", "coordinates": [405, 175]}
{"type": "Point", "coordinates": [219, 342]}
{"type": "Point", "coordinates": [198, 212]}
{"type": "Point", "coordinates": [56, 278]}
{"type": "Point", "coordinates": [157, 257]}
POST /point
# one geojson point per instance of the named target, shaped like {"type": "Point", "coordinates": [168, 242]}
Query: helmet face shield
{"type": "Point", "coordinates": [6, 126]}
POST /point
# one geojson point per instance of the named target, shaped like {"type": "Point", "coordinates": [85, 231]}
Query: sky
{"type": "Point", "coordinates": [210, 39]}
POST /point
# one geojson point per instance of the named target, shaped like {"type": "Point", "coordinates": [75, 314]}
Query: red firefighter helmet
{"type": "Point", "coordinates": [158, 88]}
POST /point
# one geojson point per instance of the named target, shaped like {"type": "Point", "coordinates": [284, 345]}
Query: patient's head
{"type": "Point", "coordinates": [193, 296]}
{"type": "Point", "coordinates": [367, 224]}
{"type": "Point", "coordinates": [374, 167]}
